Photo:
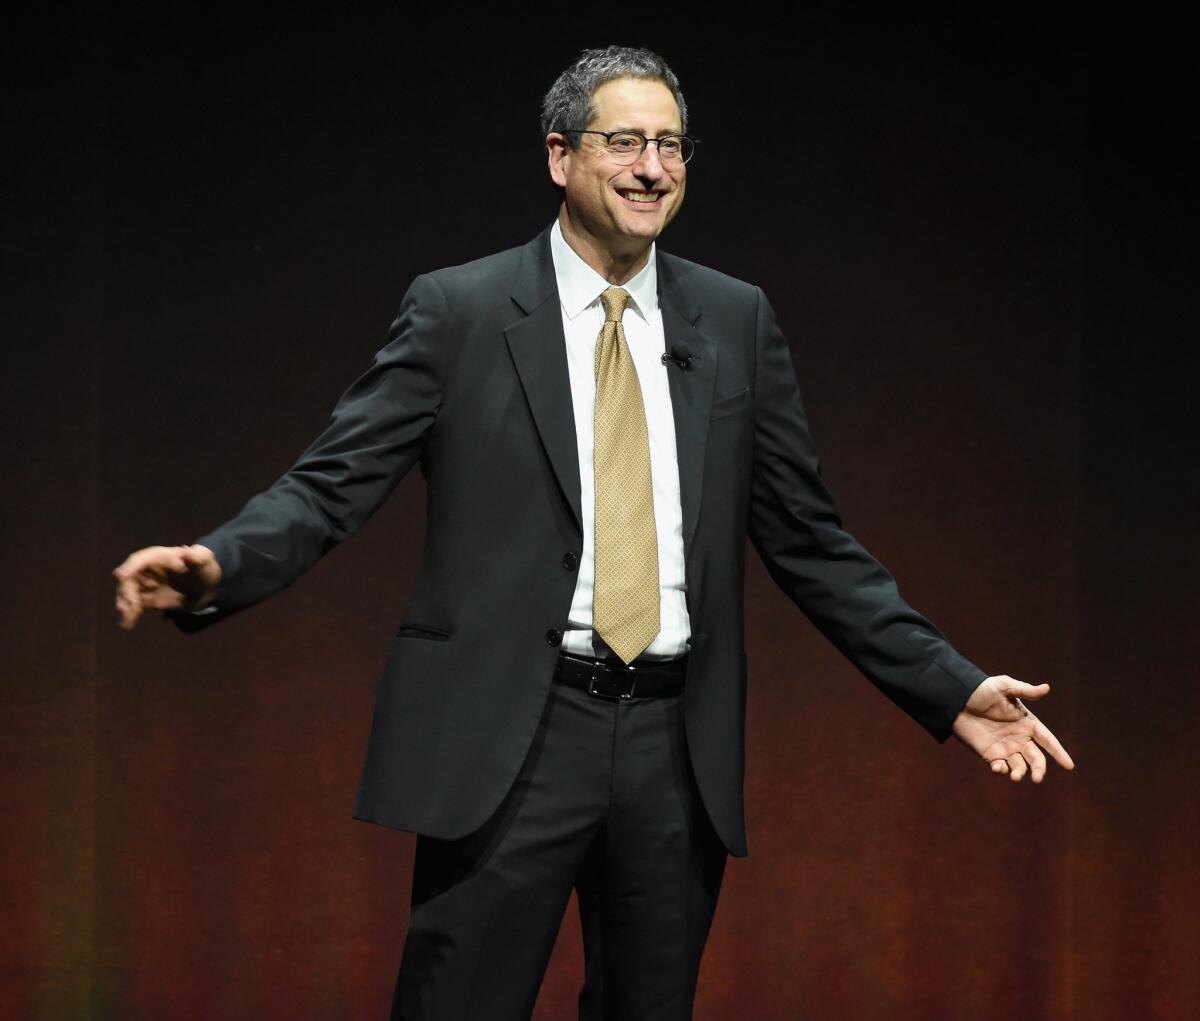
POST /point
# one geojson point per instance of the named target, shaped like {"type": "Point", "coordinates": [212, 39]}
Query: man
{"type": "Point", "coordinates": [600, 425]}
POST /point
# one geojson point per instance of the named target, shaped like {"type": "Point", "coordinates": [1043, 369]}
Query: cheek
{"type": "Point", "coordinates": [678, 196]}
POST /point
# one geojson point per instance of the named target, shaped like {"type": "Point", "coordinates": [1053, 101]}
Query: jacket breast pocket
{"type": "Point", "coordinates": [423, 631]}
{"type": "Point", "coordinates": [730, 404]}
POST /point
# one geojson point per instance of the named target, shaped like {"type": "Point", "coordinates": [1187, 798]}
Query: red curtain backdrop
{"type": "Point", "coordinates": [972, 232]}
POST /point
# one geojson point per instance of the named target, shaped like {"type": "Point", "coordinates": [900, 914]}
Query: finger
{"type": "Point", "coordinates": [188, 560]}
{"type": "Point", "coordinates": [151, 572]}
{"type": "Point", "coordinates": [202, 561]}
{"type": "Point", "coordinates": [128, 593]}
{"type": "Point", "coordinates": [1043, 736]}
{"type": "Point", "coordinates": [148, 580]}
{"type": "Point", "coordinates": [173, 561]}
{"type": "Point", "coordinates": [1019, 689]}
{"type": "Point", "coordinates": [1016, 767]}
{"type": "Point", "coordinates": [151, 566]}
{"type": "Point", "coordinates": [129, 607]}
{"type": "Point", "coordinates": [1000, 766]}
{"type": "Point", "coordinates": [164, 598]}
{"type": "Point", "coordinates": [138, 561]}
{"type": "Point", "coordinates": [1037, 761]}
{"type": "Point", "coordinates": [129, 565]}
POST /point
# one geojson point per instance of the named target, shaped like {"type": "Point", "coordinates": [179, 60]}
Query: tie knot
{"type": "Point", "coordinates": [615, 300]}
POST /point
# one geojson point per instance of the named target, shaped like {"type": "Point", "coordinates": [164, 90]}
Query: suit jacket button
{"type": "Point", "coordinates": [553, 637]}
{"type": "Point", "coordinates": [570, 561]}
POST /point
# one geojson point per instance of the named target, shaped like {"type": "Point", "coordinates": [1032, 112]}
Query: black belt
{"type": "Point", "coordinates": [612, 679]}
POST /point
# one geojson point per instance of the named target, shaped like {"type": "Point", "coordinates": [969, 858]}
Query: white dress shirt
{"type": "Point", "coordinates": [579, 290]}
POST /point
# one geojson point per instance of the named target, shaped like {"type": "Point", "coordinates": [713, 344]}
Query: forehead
{"type": "Point", "coordinates": [639, 103]}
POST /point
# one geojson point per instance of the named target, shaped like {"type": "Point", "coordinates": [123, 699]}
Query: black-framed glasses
{"type": "Point", "coordinates": [626, 147]}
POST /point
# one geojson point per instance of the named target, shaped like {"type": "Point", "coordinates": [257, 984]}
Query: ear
{"type": "Point", "coordinates": [558, 152]}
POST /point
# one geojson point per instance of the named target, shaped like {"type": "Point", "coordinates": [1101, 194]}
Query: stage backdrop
{"type": "Point", "coordinates": [972, 232]}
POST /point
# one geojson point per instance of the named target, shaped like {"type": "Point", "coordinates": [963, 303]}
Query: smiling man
{"type": "Point", "coordinates": [619, 192]}
{"type": "Point", "coordinates": [601, 426]}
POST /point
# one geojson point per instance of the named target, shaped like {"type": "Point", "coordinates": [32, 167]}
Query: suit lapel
{"type": "Point", "coordinates": [538, 349]}
{"type": "Point", "coordinates": [539, 352]}
{"type": "Point", "coordinates": [691, 389]}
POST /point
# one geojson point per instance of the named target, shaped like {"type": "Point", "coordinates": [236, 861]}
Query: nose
{"type": "Point", "coordinates": [648, 166]}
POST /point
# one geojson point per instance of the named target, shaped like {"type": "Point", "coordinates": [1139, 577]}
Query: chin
{"type": "Point", "coordinates": [644, 231]}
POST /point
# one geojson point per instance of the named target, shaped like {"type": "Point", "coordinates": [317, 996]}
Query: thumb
{"type": "Point", "coordinates": [196, 557]}
{"type": "Point", "coordinates": [1019, 689]}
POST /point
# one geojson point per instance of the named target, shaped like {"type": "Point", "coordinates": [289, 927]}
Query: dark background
{"type": "Point", "coordinates": [976, 232]}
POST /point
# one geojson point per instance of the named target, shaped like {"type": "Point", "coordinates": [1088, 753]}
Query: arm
{"type": "Point", "coordinates": [374, 436]}
{"type": "Point", "coordinates": [795, 526]}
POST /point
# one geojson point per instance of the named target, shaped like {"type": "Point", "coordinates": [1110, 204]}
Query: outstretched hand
{"type": "Point", "coordinates": [996, 726]}
{"type": "Point", "coordinates": [165, 578]}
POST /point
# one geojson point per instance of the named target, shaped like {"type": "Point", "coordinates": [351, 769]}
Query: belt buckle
{"type": "Point", "coordinates": [599, 667]}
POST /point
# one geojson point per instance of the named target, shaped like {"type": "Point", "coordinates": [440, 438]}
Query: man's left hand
{"type": "Point", "coordinates": [996, 725]}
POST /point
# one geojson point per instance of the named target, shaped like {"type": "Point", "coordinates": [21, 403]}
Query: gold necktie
{"type": "Point", "coordinates": [626, 595]}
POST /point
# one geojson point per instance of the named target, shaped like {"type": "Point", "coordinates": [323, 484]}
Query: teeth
{"type": "Point", "coordinates": [641, 196]}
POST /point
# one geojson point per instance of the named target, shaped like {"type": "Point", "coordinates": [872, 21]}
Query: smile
{"type": "Point", "coordinates": [641, 196]}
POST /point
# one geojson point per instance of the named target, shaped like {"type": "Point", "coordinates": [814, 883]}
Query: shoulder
{"type": "Point", "coordinates": [490, 275]}
{"type": "Point", "coordinates": [478, 292]}
{"type": "Point", "coordinates": [483, 269]}
{"type": "Point", "coordinates": [705, 282]}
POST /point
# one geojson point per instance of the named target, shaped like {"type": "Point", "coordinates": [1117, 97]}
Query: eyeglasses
{"type": "Point", "coordinates": [626, 147]}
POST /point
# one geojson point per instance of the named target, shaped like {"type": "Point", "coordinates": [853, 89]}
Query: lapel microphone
{"type": "Point", "coordinates": [680, 355]}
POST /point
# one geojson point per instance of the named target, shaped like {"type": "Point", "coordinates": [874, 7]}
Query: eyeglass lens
{"type": "Point", "coordinates": [628, 147]}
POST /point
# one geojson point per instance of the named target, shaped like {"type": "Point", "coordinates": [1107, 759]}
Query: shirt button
{"type": "Point", "coordinates": [570, 561]}
{"type": "Point", "coordinates": [553, 637]}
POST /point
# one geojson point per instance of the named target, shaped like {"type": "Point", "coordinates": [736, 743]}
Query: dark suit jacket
{"type": "Point", "coordinates": [473, 383]}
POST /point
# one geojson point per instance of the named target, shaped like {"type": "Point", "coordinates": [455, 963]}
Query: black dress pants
{"type": "Point", "coordinates": [605, 803]}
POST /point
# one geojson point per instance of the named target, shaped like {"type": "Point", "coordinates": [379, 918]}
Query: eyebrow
{"type": "Point", "coordinates": [666, 132]}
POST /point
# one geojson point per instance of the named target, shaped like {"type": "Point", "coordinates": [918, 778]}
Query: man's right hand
{"type": "Point", "coordinates": [165, 578]}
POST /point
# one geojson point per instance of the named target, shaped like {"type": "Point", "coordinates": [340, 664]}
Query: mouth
{"type": "Point", "coordinates": [643, 199]}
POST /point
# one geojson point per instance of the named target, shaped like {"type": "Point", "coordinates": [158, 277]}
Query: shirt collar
{"type": "Point", "coordinates": [580, 286]}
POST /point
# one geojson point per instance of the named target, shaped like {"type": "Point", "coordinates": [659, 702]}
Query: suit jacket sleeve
{"type": "Point", "coordinates": [795, 526]}
{"type": "Point", "coordinates": [375, 434]}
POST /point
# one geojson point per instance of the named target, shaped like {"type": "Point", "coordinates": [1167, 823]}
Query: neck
{"type": "Point", "coordinates": [616, 265]}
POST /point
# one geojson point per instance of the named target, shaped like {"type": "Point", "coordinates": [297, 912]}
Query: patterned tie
{"type": "Point", "coordinates": [626, 594]}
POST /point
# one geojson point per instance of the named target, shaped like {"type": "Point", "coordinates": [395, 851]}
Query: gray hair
{"type": "Point", "coordinates": [568, 104]}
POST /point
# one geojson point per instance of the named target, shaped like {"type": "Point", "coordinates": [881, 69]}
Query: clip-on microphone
{"type": "Point", "coordinates": [680, 355]}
